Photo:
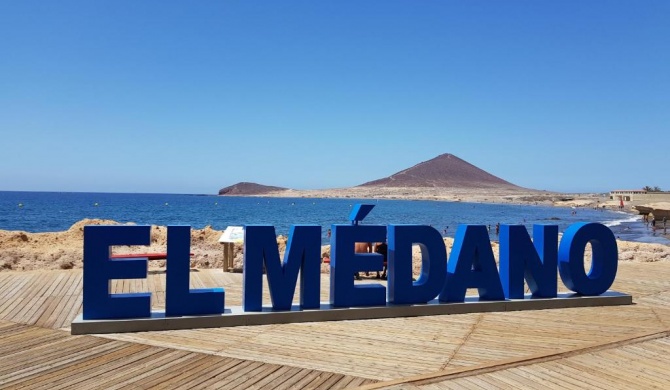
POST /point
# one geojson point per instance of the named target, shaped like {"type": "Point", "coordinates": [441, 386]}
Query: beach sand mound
{"type": "Point", "coordinates": [59, 250]}
{"type": "Point", "coordinates": [23, 251]}
{"type": "Point", "coordinates": [643, 253]}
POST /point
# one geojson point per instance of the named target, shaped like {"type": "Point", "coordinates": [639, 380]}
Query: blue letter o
{"type": "Point", "coordinates": [603, 263]}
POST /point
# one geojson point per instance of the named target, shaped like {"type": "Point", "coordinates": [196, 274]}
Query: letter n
{"type": "Point", "coordinates": [535, 261]}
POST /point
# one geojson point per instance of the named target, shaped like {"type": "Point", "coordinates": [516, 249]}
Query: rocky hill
{"type": "Point", "coordinates": [443, 171]}
{"type": "Point", "coordinates": [246, 188]}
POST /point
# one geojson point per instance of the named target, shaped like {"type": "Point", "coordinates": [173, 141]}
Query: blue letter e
{"type": "Point", "coordinates": [98, 303]}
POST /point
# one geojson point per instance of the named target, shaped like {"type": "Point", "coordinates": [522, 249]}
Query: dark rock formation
{"type": "Point", "coordinates": [246, 188]}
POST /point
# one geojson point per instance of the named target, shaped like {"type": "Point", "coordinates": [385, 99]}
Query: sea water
{"type": "Point", "coordinates": [57, 211]}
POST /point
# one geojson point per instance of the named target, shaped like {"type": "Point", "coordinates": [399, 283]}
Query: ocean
{"type": "Point", "coordinates": [57, 211]}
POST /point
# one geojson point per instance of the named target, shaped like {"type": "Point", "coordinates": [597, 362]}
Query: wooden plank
{"type": "Point", "coordinates": [258, 375]}
{"type": "Point", "coordinates": [53, 284]}
{"type": "Point", "coordinates": [197, 367]}
{"type": "Point", "coordinates": [52, 320]}
{"type": "Point", "coordinates": [162, 375]}
{"type": "Point", "coordinates": [33, 354]}
{"type": "Point", "coordinates": [603, 376]}
{"type": "Point", "coordinates": [14, 285]}
{"type": "Point", "coordinates": [67, 371]}
{"type": "Point", "coordinates": [20, 298]}
{"type": "Point", "coordinates": [162, 361]}
{"type": "Point", "coordinates": [72, 297]}
{"type": "Point", "coordinates": [311, 380]}
{"type": "Point", "coordinates": [252, 376]}
{"type": "Point", "coordinates": [73, 281]}
{"type": "Point", "coordinates": [59, 285]}
{"type": "Point", "coordinates": [218, 376]}
{"type": "Point", "coordinates": [240, 377]}
{"type": "Point", "coordinates": [96, 368]}
{"type": "Point", "coordinates": [36, 299]}
{"type": "Point", "coordinates": [178, 374]}
{"type": "Point", "coordinates": [277, 378]}
{"type": "Point", "coordinates": [332, 382]}
{"type": "Point", "coordinates": [11, 335]}
{"type": "Point", "coordinates": [546, 377]}
{"type": "Point", "coordinates": [52, 362]}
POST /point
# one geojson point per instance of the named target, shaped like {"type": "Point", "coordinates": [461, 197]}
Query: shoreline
{"type": "Point", "coordinates": [23, 251]}
{"type": "Point", "coordinates": [492, 196]}
{"type": "Point", "coordinates": [466, 195]}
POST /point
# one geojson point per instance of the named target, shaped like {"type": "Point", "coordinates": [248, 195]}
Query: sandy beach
{"type": "Point", "coordinates": [474, 195]}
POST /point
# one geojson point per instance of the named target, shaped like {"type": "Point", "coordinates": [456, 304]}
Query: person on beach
{"type": "Point", "coordinates": [382, 249]}
{"type": "Point", "coordinates": [362, 247]}
{"type": "Point", "coordinates": [497, 228]}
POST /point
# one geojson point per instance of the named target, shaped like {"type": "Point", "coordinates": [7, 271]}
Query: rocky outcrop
{"type": "Point", "coordinates": [658, 210]}
{"type": "Point", "coordinates": [246, 188]}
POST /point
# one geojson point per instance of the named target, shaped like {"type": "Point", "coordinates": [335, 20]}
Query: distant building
{"type": "Point", "coordinates": [640, 196]}
{"type": "Point", "coordinates": [627, 195]}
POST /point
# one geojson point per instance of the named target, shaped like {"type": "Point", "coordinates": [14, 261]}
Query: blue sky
{"type": "Point", "coordinates": [189, 97]}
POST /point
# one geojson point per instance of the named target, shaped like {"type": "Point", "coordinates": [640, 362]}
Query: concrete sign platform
{"type": "Point", "coordinates": [235, 316]}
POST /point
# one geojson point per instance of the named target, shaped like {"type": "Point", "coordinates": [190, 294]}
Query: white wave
{"type": "Point", "coordinates": [617, 222]}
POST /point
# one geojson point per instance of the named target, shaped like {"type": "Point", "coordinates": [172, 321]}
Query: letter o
{"type": "Point", "coordinates": [604, 259]}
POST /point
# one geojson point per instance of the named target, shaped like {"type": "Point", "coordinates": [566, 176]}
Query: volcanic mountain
{"type": "Point", "coordinates": [445, 170]}
{"type": "Point", "coordinates": [246, 188]}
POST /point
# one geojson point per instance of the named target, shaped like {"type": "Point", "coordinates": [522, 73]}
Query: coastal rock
{"type": "Point", "coordinates": [658, 210]}
{"type": "Point", "coordinates": [247, 188]}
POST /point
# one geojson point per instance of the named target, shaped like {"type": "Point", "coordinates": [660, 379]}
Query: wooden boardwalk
{"type": "Point", "coordinates": [642, 365]}
{"type": "Point", "coordinates": [39, 358]}
{"type": "Point", "coordinates": [548, 348]}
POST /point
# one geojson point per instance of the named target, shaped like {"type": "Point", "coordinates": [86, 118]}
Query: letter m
{"type": "Point", "coordinates": [303, 255]}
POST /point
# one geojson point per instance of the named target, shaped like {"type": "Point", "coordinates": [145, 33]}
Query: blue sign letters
{"type": "Point", "coordinates": [471, 265]}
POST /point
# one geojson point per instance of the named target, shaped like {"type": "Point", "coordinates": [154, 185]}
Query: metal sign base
{"type": "Point", "coordinates": [235, 316]}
